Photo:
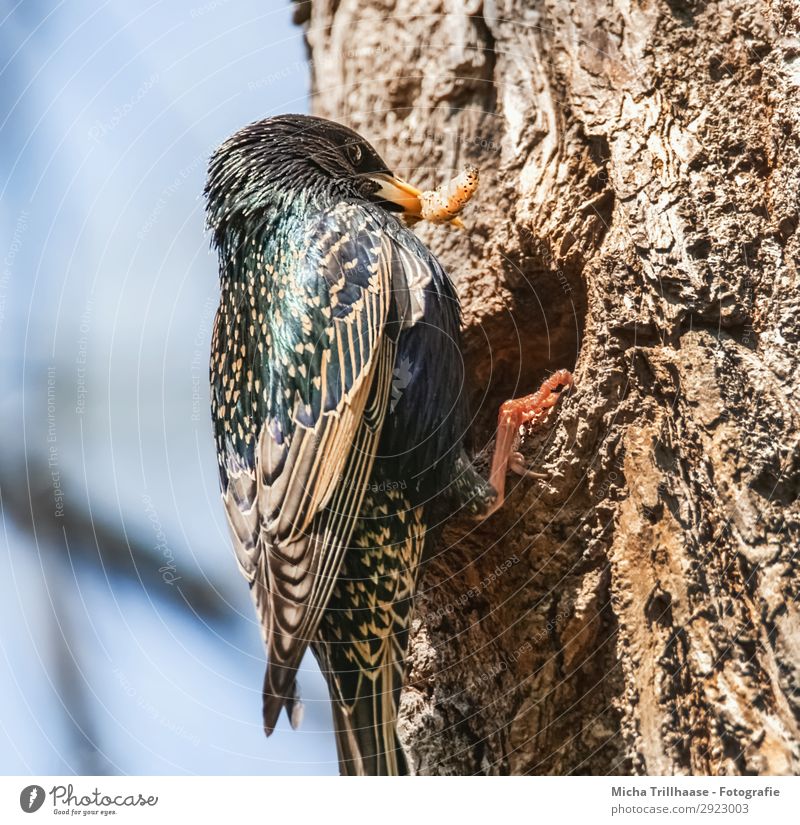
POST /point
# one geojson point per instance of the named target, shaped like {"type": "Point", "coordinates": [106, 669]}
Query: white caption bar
{"type": "Point", "coordinates": [330, 800]}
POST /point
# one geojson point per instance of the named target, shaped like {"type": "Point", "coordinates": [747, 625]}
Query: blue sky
{"type": "Point", "coordinates": [108, 113]}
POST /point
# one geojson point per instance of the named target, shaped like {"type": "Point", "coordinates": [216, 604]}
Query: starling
{"type": "Point", "coordinates": [339, 412]}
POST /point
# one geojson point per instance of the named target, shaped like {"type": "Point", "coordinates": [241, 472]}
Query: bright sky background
{"type": "Point", "coordinates": [108, 112]}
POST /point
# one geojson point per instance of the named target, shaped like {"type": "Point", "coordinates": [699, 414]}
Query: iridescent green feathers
{"type": "Point", "coordinates": [302, 441]}
{"type": "Point", "coordinates": [323, 295]}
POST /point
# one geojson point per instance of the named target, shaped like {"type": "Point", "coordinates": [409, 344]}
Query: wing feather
{"type": "Point", "coordinates": [292, 508]}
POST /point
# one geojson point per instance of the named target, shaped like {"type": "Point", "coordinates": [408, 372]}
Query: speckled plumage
{"type": "Point", "coordinates": [329, 473]}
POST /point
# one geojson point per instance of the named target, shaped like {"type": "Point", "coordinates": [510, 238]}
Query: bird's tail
{"type": "Point", "coordinates": [362, 639]}
{"type": "Point", "coordinates": [364, 663]}
{"type": "Point", "coordinates": [366, 732]}
{"type": "Point", "coordinates": [275, 702]}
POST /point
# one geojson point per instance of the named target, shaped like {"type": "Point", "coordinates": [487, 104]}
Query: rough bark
{"type": "Point", "coordinates": [636, 221]}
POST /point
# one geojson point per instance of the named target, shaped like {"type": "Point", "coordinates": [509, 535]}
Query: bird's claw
{"type": "Point", "coordinates": [516, 463]}
{"type": "Point", "coordinates": [514, 415]}
{"type": "Point", "coordinates": [531, 409]}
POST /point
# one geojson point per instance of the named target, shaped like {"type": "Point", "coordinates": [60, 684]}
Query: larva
{"type": "Point", "coordinates": [443, 204]}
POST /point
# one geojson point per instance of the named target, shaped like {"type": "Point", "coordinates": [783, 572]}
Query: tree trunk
{"type": "Point", "coordinates": [636, 221]}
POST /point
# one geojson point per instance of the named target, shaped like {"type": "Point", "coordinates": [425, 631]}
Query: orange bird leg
{"type": "Point", "coordinates": [530, 409]}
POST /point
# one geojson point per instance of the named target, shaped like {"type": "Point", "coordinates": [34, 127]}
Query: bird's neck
{"type": "Point", "coordinates": [272, 225]}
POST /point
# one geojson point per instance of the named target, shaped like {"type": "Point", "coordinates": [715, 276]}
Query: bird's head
{"type": "Point", "coordinates": [273, 163]}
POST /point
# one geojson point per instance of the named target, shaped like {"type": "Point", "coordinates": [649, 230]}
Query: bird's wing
{"type": "Point", "coordinates": [292, 508]}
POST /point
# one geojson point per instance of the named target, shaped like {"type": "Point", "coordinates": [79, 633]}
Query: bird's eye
{"type": "Point", "coordinates": [354, 153]}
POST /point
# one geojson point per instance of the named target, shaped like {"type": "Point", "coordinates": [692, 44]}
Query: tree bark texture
{"type": "Point", "coordinates": [636, 221]}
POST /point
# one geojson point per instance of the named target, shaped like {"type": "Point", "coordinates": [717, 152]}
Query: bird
{"type": "Point", "coordinates": [339, 414]}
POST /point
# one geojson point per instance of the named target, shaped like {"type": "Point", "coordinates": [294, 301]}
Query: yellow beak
{"type": "Point", "coordinates": [396, 190]}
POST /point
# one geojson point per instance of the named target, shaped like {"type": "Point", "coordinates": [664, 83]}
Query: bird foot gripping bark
{"type": "Point", "coordinates": [514, 414]}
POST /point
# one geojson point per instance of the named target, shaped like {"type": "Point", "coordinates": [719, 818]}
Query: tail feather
{"type": "Point", "coordinates": [366, 737]}
{"type": "Point", "coordinates": [365, 694]}
{"type": "Point", "coordinates": [274, 703]}
{"type": "Point", "coordinates": [366, 729]}
{"type": "Point", "coordinates": [362, 639]}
